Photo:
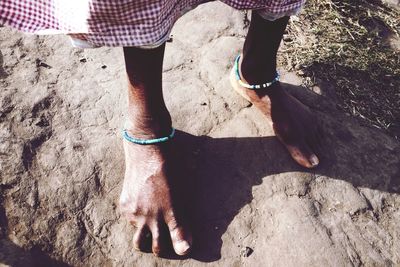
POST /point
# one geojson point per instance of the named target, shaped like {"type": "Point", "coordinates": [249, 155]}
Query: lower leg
{"type": "Point", "coordinates": [294, 123]}
{"type": "Point", "coordinates": [148, 116]}
{"type": "Point", "coordinates": [261, 47]}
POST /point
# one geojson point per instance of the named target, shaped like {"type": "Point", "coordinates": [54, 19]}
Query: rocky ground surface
{"type": "Point", "coordinates": [61, 161]}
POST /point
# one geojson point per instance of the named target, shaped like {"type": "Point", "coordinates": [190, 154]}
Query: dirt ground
{"type": "Point", "coordinates": [61, 160]}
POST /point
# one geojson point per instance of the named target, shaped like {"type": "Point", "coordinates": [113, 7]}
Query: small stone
{"type": "Point", "coordinates": [40, 63]}
{"type": "Point", "coordinates": [287, 39]}
{"type": "Point", "coordinates": [246, 252]}
{"type": "Point", "coordinates": [83, 60]}
{"type": "Point", "coordinates": [300, 73]}
{"type": "Point", "coordinates": [104, 67]}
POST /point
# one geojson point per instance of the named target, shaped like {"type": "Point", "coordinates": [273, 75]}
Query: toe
{"type": "Point", "coordinates": [156, 240]}
{"type": "Point", "coordinates": [314, 161]}
{"type": "Point", "coordinates": [181, 238]}
{"type": "Point", "coordinates": [180, 243]}
{"type": "Point", "coordinates": [139, 237]}
{"type": "Point", "coordinates": [303, 155]}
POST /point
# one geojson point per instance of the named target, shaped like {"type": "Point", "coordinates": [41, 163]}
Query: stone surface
{"type": "Point", "coordinates": [61, 161]}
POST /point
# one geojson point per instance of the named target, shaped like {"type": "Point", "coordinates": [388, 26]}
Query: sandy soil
{"type": "Point", "coordinates": [61, 161]}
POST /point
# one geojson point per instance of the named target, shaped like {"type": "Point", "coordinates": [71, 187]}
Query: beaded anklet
{"type": "Point", "coordinates": [149, 141]}
{"type": "Point", "coordinates": [249, 86]}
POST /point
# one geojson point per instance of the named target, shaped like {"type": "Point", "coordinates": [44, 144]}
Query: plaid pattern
{"type": "Point", "coordinates": [115, 22]}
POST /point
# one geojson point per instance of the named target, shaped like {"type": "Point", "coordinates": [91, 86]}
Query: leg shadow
{"type": "Point", "coordinates": [224, 170]}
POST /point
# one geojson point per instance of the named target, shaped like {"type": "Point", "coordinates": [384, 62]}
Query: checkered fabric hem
{"type": "Point", "coordinates": [116, 22]}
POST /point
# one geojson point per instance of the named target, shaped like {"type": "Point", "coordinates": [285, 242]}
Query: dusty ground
{"type": "Point", "coordinates": [62, 164]}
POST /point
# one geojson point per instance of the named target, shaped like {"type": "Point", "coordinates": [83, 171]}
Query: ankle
{"type": "Point", "coordinates": [256, 72]}
{"type": "Point", "coordinates": [145, 126]}
{"type": "Point", "coordinates": [273, 90]}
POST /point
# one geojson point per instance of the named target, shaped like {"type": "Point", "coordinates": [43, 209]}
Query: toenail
{"type": "Point", "coordinates": [314, 160]}
{"type": "Point", "coordinates": [182, 247]}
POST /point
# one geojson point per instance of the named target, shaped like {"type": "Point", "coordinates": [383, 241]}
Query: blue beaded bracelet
{"type": "Point", "coordinates": [249, 86]}
{"type": "Point", "coordinates": [149, 141]}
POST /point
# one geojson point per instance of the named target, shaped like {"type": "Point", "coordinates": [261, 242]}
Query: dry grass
{"type": "Point", "coordinates": [346, 44]}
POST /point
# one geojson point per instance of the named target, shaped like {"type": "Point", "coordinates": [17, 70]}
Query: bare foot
{"type": "Point", "coordinates": [151, 196]}
{"type": "Point", "coordinates": [294, 124]}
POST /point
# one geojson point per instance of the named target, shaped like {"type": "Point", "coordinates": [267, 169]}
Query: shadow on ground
{"type": "Point", "coordinates": [225, 169]}
{"type": "Point", "coordinates": [14, 256]}
{"type": "Point", "coordinates": [3, 73]}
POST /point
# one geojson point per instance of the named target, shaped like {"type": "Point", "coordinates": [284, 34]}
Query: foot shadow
{"type": "Point", "coordinates": [224, 170]}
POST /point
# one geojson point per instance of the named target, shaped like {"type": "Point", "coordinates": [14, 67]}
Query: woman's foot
{"type": "Point", "coordinates": [294, 123]}
{"type": "Point", "coordinates": [152, 194]}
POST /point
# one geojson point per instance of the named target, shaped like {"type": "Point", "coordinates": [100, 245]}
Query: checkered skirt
{"type": "Point", "coordinates": [115, 22]}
